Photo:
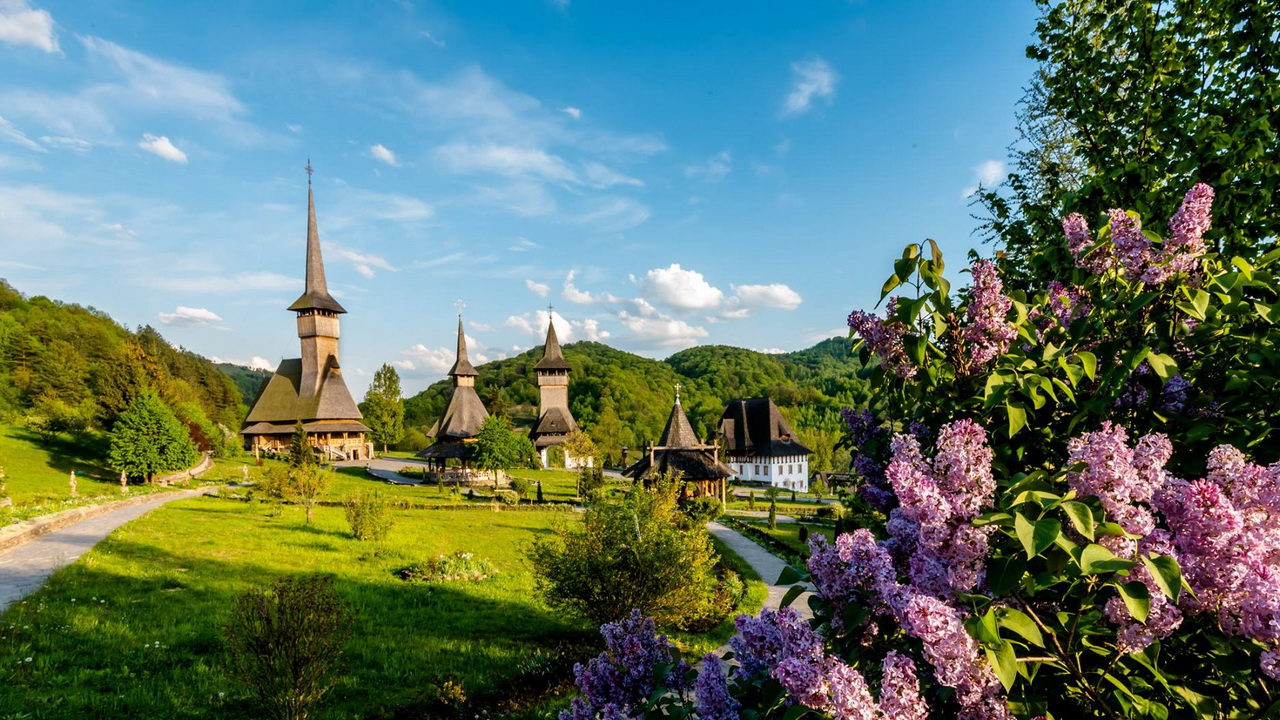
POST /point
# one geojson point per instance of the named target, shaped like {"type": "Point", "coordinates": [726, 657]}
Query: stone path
{"type": "Point", "coordinates": [768, 565]}
{"type": "Point", "coordinates": [24, 569]}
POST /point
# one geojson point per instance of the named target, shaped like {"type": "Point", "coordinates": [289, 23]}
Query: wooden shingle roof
{"type": "Point", "coordinates": [316, 295]}
{"type": "Point", "coordinates": [462, 366]}
{"type": "Point", "coordinates": [281, 402]}
{"type": "Point", "coordinates": [755, 426]}
{"type": "Point", "coordinates": [552, 357]}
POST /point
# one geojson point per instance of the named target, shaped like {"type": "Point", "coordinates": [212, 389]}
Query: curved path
{"type": "Point", "coordinates": [764, 562]}
{"type": "Point", "coordinates": [24, 569]}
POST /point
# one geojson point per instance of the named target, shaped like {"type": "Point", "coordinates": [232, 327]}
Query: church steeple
{"type": "Point", "coordinates": [316, 295]}
{"type": "Point", "coordinates": [552, 357]}
{"type": "Point", "coordinates": [462, 367]}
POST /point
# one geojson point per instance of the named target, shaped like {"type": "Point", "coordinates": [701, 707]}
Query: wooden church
{"type": "Point", "coordinates": [310, 389]}
{"type": "Point", "coordinates": [680, 453]}
{"type": "Point", "coordinates": [457, 428]}
{"type": "Point", "coordinates": [555, 421]}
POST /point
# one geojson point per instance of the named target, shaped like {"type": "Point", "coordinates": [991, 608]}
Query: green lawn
{"type": "Point", "coordinates": [789, 533]}
{"type": "Point", "coordinates": [557, 485]}
{"type": "Point", "coordinates": [170, 576]}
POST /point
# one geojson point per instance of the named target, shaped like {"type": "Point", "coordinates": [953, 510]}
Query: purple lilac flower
{"type": "Point", "coordinates": [1094, 259]}
{"type": "Point", "coordinates": [850, 697]}
{"type": "Point", "coordinates": [1066, 305]}
{"type": "Point", "coordinates": [1118, 475]}
{"type": "Point", "coordinates": [1187, 227]}
{"type": "Point", "coordinates": [962, 466]}
{"type": "Point", "coordinates": [711, 691]}
{"type": "Point", "coordinates": [954, 655]}
{"type": "Point", "coordinates": [900, 690]}
{"type": "Point", "coordinates": [1173, 396]}
{"type": "Point", "coordinates": [619, 680]}
{"type": "Point", "coordinates": [989, 332]}
{"type": "Point", "coordinates": [884, 337]}
{"type": "Point", "coordinates": [1131, 246]}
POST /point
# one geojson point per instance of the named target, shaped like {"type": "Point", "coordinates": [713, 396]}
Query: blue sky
{"type": "Point", "coordinates": [666, 173]}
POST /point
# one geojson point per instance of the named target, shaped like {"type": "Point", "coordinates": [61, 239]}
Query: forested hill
{"type": "Point", "coordinates": [77, 359]}
{"type": "Point", "coordinates": [624, 399]}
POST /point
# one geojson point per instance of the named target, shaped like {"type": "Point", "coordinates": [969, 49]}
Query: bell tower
{"type": "Point", "coordinates": [317, 310]}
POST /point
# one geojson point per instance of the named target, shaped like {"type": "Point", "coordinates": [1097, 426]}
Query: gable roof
{"type": "Point", "coordinates": [552, 357]}
{"type": "Point", "coordinates": [555, 421]}
{"type": "Point", "coordinates": [755, 426]}
{"type": "Point", "coordinates": [316, 295]}
{"type": "Point", "coordinates": [462, 366]}
{"type": "Point", "coordinates": [280, 400]}
{"type": "Point", "coordinates": [689, 463]}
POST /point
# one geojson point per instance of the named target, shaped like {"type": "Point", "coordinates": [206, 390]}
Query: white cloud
{"type": "Point", "coordinates": [73, 144]}
{"type": "Point", "coordinates": [364, 263]}
{"type": "Point", "coordinates": [404, 364]}
{"type": "Point", "coordinates": [480, 327]}
{"type": "Point", "coordinates": [602, 176]}
{"type": "Point", "coordinates": [240, 282]}
{"type": "Point", "coordinates": [427, 361]}
{"type": "Point", "coordinates": [255, 362]}
{"type": "Point", "coordinates": [987, 175]}
{"type": "Point", "coordinates": [572, 112]}
{"type": "Point", "coordinates": [293, 128]}
{"type": "Point", "coordinates": [679, 288]}
{"type": "Point", "coordinates": [775, 295]}
{"type": "Point", "coordinates": [380, 152]}
{"type": "Point", "coordinates": [716, 168]}
{"type": "Point", "coordinates": [20, 24]}
{"type": "Point", "coordinates": [661, 331]}
{"type": "Point", "coordinates": [433, 39]}
{"type": "Point", "coordinates": [771, 351]}
{"type": "Point", "coordinates": [613, 215]}
{"type": "Point", "coordinates": [120, 230]}
{"type": "Point", "coordinates": [537, 288]}
{"type": "Point", "coordinates": [162, 148]}
{"type": "Point", "coordinates": [189, 317]}
{"type": "Point", "coordinates": [523, 245]}
{"type": "Point", "coordinates": [10, 132]}
{"type": "Point", "coordinates": [535, 326]}
{"type": "Point", "coordinates": [571, 293]}
{"type": "Point", "coordinates": [813, 79]}
{"type": "Point", "coordinates": [505, 160]}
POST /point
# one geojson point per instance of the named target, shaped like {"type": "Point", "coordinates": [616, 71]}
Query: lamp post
{"type": "Point", "coordinates": [624, 457]}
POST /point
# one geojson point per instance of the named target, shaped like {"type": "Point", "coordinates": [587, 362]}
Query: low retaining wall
{"type": "Point", "coordinates": [28, 530]}
{"type": "Point", "coordinates": [190, 473]}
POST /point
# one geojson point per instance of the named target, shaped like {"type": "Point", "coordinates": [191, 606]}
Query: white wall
{"type": "Point", "coordinates": [789, 472]}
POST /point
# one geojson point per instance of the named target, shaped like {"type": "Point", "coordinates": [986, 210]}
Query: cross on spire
{"type": "Point", "coordinates": [309, 171]}
{"type": "Point", "coordinates": [459, 304]}
{"type": "Point", "coordinates": [677, 393]}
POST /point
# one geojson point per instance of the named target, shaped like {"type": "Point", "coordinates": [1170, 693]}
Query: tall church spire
{"type": "Point", "coordinates": [462, 366]}
{"type": "Point", "coordinates": [316, 295]}
{"type": "Point", "coordinates": [552, 357]}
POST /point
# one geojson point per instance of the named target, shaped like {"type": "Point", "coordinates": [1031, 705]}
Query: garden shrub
{"type": "Point", "coordinates": [626, 555]}
{"type": "Point", "coordinates": [521, 486]}
{"type": "Point", "coordinates": [699, 511]}
{"type": "Point", "coordinates": [456, 567]}
{"type": "Point", "coordinates": [369, 516]}
{"type": "Point", "coordinates": [1072, 525]}
{"type": "Point", "coordinates": [507, 497]}
{"type": "Point", "coordinates": [285, 643]}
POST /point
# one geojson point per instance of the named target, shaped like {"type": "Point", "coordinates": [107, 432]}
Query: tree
{"type": "Point", "coordinates": [149, 439]}
{"type": "Point", "coordinates": [300, 452]}
{"type": "Point", "coordinates": [773, 512]}
{"type": "Point", "coordinates": [580, 447]}
{"type": "Point", "coordinates": [300, 484]}
{"type": "Point", "coordinates": [1133, 102]}
{"type": "Point", "coordinates": [818, 488]}
{"type": "Point", "coordinates": [497, 447]}
{"type": "Point", "coordinates": [383, 407]}
{"type": "Point", "coordinates": [634, 554]}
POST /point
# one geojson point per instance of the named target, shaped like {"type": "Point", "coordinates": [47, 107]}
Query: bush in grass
{"type": "Point", "coordinates": [302, 484]}
{"type": "Point", "coordinates": [590, 482]}
{"type": "Point", "coordinates": [506, 497]}
{"type": "Point", "coordinates": [701, 510]}
{"type": "Point", "coordinates": [804, 534]}
{"type": "Point", "coordinates": [455, 567]}
{"type": "Point", "coordinates": [285, 643]}
{"type": "Point", "coordinates": [626, 555]}
{"type": "Point", "coordinates": [369, 515]}
{"type": "Point", "coordinates": [773, 513]}
{"type": "Point", "coordinates": [521, 486]}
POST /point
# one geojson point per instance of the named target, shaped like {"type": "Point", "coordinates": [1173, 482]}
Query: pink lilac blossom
{"type": "Point", "coordinates": [989, 332]}
{"type": "Point", "coordinates": [711, 692]}
{"type": "Point", "coordinates": [1131, 247]}
{"type": "Point", "coordinates": [1066, 305]}
{"type": "Point", "coordinates": [884, 337]}
{"type": "Point", "coordinates": [1185, 244]}
{"type": "Point", "coordinates": [954, 655]}
{"type": "Point", "coordinates": [1118, 475]}
{"type": "Point", "coordinates": [900, 690]}
{"type": "Point", "coordinates": [1096, 260]}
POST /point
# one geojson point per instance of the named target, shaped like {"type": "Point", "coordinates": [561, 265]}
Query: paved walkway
{"type": "Point", "coordinates": [24, 569]}
{"type": "Point", "coordinates": [765, 563]}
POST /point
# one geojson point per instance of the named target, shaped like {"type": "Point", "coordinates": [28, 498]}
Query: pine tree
{"type": "Point", "coordinates": [383, 407]}
{"type": "Point", "coordinates": [149, 439]}
{"type": "Point", "coordinates": [773, 513]}
{"type": "Point", "coordinates": [300, 452]}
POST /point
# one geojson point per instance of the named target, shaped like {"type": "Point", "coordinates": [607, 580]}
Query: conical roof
{"type": "Point", "coordinates": [552, 358]}
{"type": "Point", "coordinates": [316, 295]}
{"type": "Point", "coordinates": [462, 366]}
{"type": "Point", "coordinates": [678, 432]}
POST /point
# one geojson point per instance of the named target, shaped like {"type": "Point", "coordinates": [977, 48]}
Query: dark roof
{"type": "Point", "coordinates": [266, 428]}
{"type": "Point", "coordinates": [316, 295]}
{"type": "Point", "coordinates": [462, 366]}
{"type": "Point", "coordinates": [689, 463]}
{"type": "Point", "coordinates": [446, 448]}
{"type": "Point", "coordinates": [555, 420]}
{"type": "Point", "coordinates": [755, 426]}
{"type": "Point", "coordinates": [280, 402]}
{"type": "Point", "coordinates": [678, 432]}
{"type": "Point", "coordinates": [552, 358]}
{"type": "Point", "coordinates": [463, 416]}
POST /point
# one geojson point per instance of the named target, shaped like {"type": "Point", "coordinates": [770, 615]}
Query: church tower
{"type": "Point", "coordinates": [555, 422]}
{"type": "Point", "coordinates": [458, 426]}
{"type": "Point", "coordinates": [317, 311]}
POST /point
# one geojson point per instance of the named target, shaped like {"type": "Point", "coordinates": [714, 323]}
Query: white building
{"type": "Point", "coordinates": [760, 446]}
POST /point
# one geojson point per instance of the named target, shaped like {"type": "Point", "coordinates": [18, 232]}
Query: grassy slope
{"type": "Point", "coordinates": [170, 577]}
{"type": "Point", "coordinates": [38, 473]}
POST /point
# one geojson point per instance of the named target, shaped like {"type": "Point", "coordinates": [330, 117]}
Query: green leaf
{"type": "Point", "coordinates": [1036, 536]}
{"type": "Point", "coordinates": [1081, 517]}
{"type": "Point", "coordinates": [1163, 365]}
{"type": "Point", "coordinates": [1137, 598]}
{"type": "Point", "coordinates": [1205, 707]}
{"type": "Point", "coordinates": [1003, 574]}
{"type": "Point", "coordinates": [893, 282]}
{"type": "Point", "coordinates": [1021, 623]}
{"type": "Point", "coordinates": [1096, 559]}
{"type": "Point", "coordinates": [789, 576]}
{"type": "Point", "coordinates": [1017, 418]}
{"type": "Point", "coordinates": [1166, 573]}
{"type": "Point", "coordinates": [793, 592]}
{"type": "Point", "coordinates": [1004, 661]}
{"type": "Point", "coordinates": [795, 712]}
{"type": "Point", "coordinates": [1089, 363]}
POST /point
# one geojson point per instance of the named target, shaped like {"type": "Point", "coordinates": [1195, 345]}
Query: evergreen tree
{"type": "Point", "coordinates": [383, 407]}
{"type": "Point", "coordinates": [149, 439]}
{"type": "Point", "coordinates": [773, 513]}
{"type": "Point", "coordinates": [300, 452]}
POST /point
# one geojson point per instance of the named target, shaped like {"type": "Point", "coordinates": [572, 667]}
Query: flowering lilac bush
{"type": "Point", "coordinates": [1073, 524]}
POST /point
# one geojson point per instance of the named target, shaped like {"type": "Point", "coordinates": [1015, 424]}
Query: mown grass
{"type": "Point", "coordinates": [134, 628]}
{"type": "Point", "coordinates": [789, 533]}
{"type": "Point", "coordinates": [557, 486]}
